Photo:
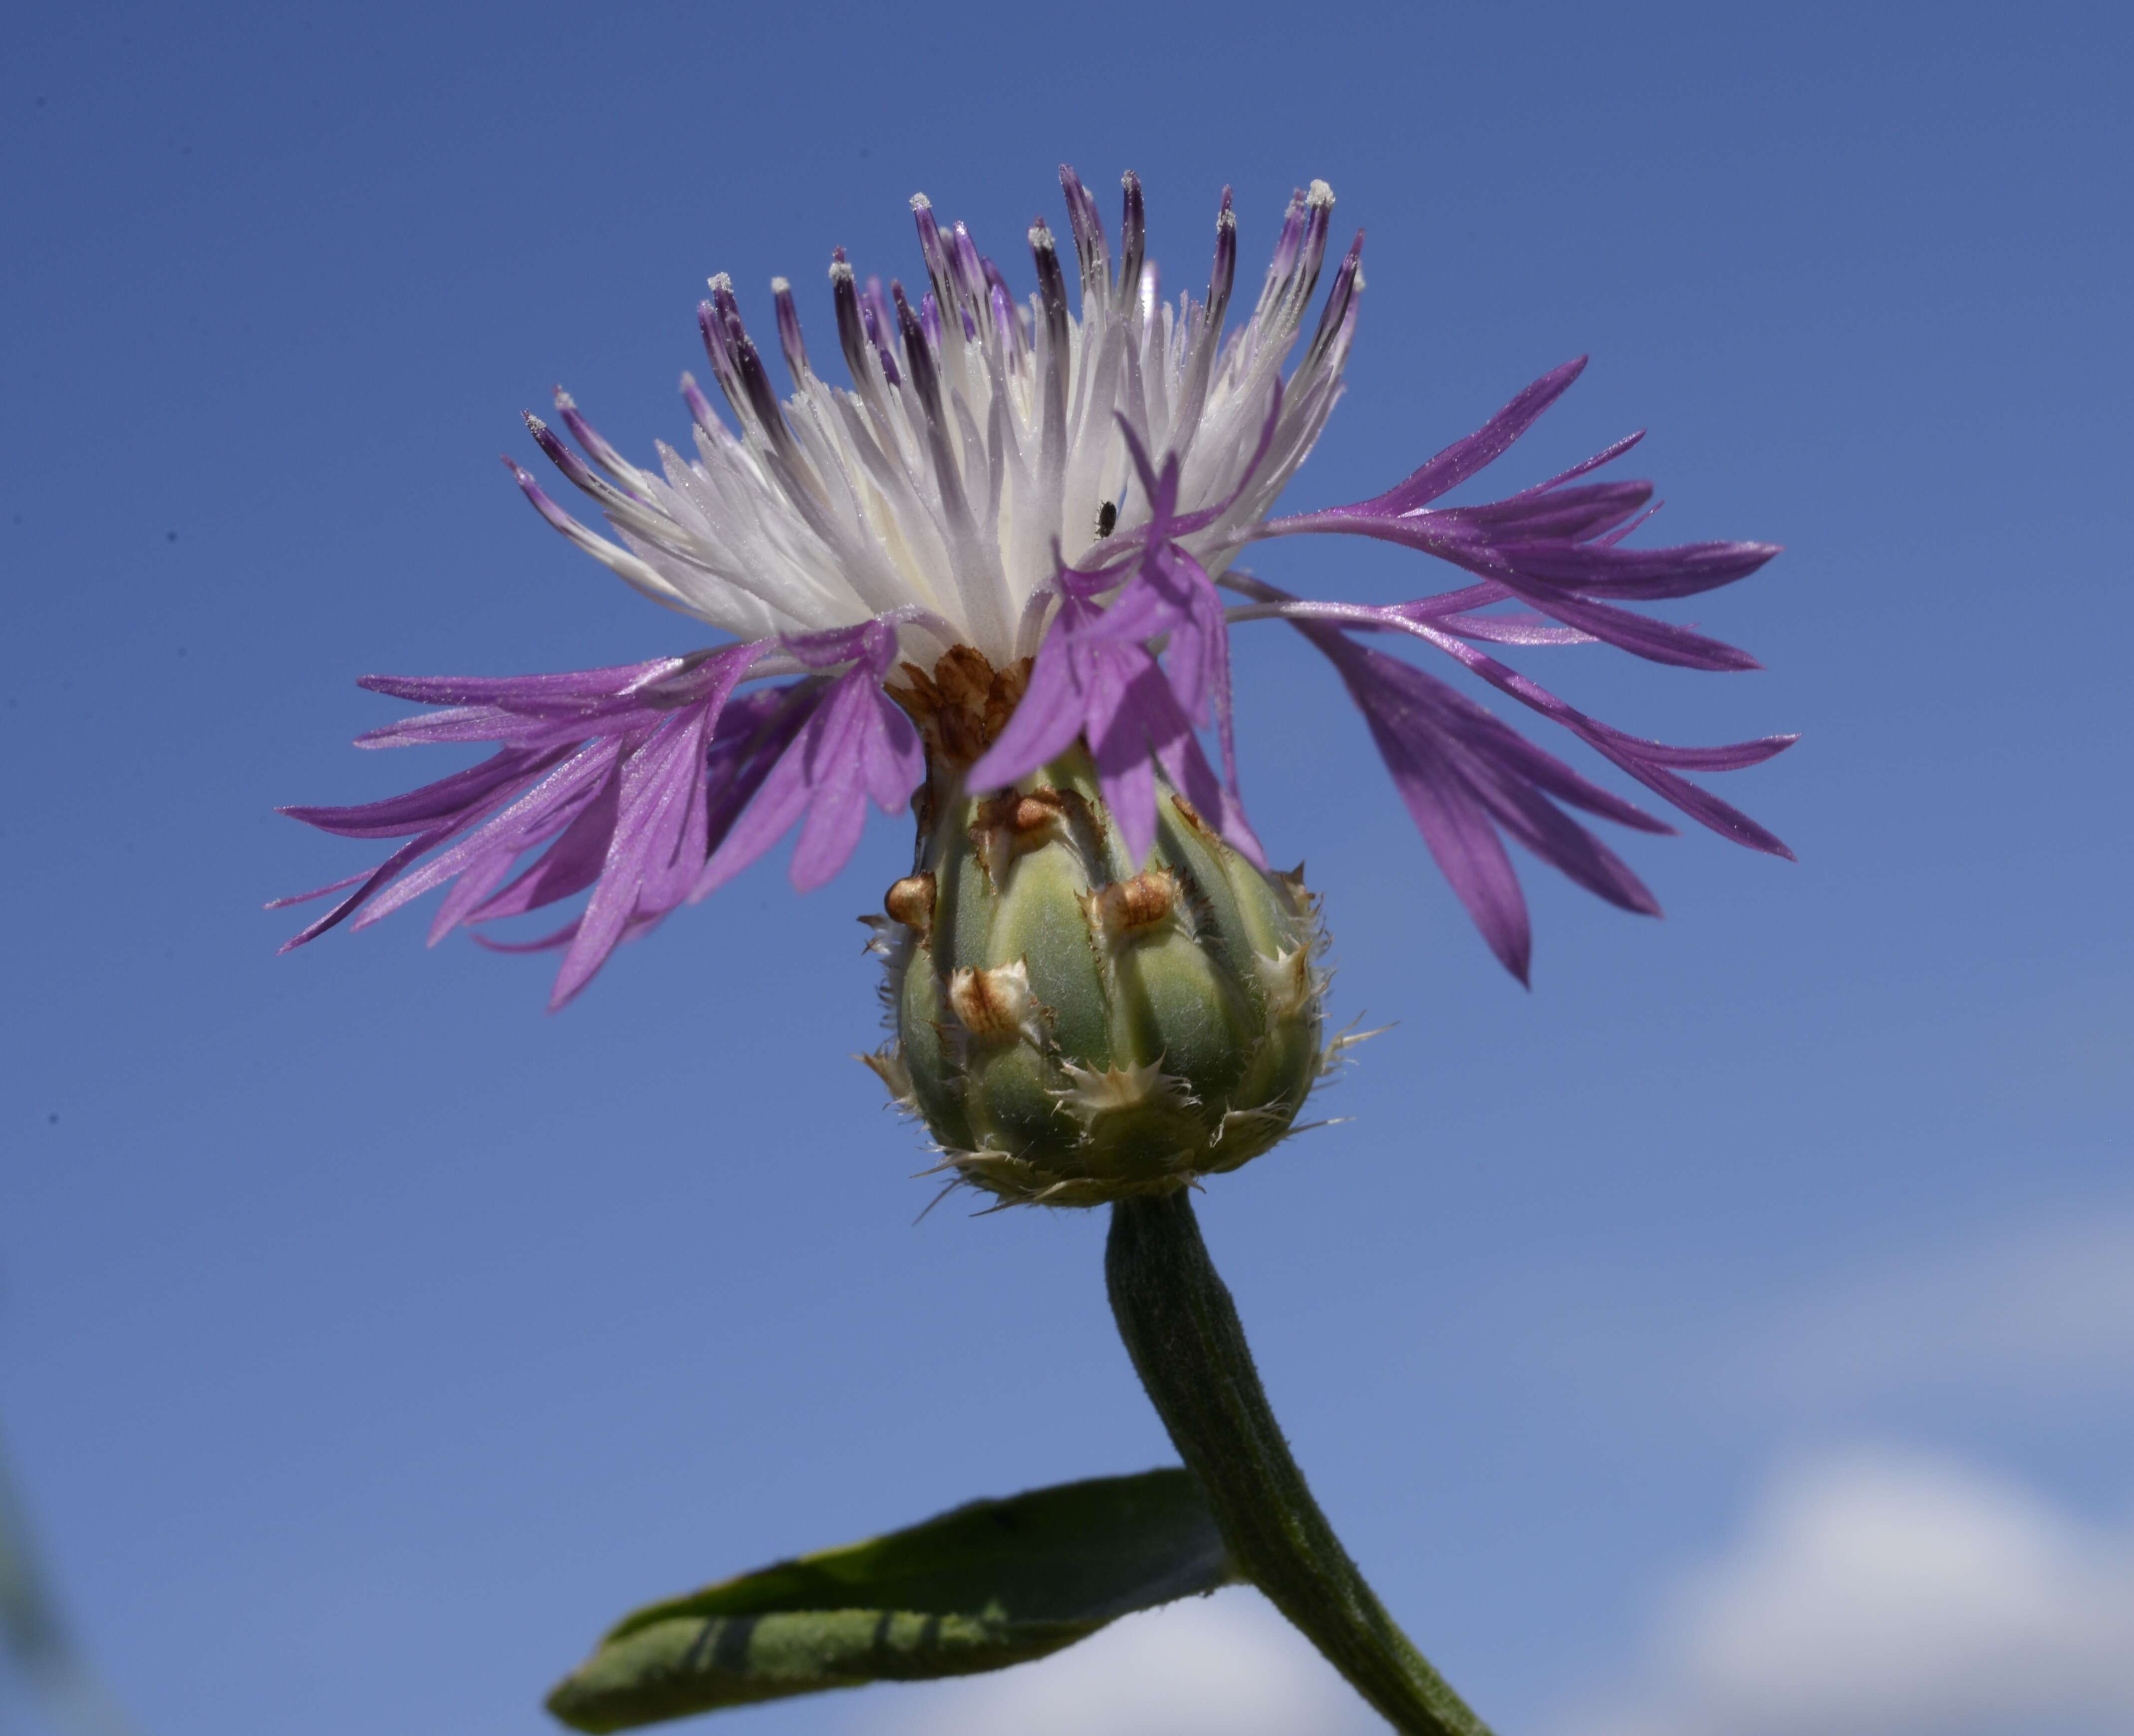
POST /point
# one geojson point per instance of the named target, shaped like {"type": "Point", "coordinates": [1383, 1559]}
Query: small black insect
{"type": "Point", "coordinates": [1108, 518]}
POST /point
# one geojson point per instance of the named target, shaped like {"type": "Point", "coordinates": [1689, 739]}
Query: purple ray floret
{"type": "Point", "coordinates": [610, 774]}
{"type": "Point", "coordinates": [857, 746]}
{"type": "Point", "coordinates": [1466, 778]}
{"type": "Point", "coordinates": [1096, 679]}
{"type": "Point", "coordinates": [1043, 479]}
{"type": "Point", "coordinates": [1555, 547]}
{"type": "Point", "coordinates": [1117, 697]}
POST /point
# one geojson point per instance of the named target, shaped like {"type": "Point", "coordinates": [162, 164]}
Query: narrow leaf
{"type": "Point", "coordinates": [984, 1586]}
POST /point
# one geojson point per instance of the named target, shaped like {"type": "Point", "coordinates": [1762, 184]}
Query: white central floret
{"type": "Point", "coordinates": [977, 435]}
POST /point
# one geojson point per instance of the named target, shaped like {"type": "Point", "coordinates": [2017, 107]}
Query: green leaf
{"type": "Point", "coordinates": [978, 1588]}
{"type": "Point", "coordinates": [34, 1639]}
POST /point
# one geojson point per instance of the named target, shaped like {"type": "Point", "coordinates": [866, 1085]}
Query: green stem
{"type": "Point", "coordinates": [1182, 1331]}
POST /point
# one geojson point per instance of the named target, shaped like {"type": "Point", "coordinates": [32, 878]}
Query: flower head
{"type": "Point", "coordinates": [1010, 534]}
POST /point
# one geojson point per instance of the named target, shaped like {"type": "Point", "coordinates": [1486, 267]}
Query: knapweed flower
{"type": "Point", "coordinates": [989, 576]}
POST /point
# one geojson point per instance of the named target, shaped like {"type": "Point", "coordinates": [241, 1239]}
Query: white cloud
{"type": "Point", "coordinates": [1224, 1666]}
{"type": "Point", "coordinates": [1875, 1592]}
{"type": "Point", "coordinates": [2045, 1310]}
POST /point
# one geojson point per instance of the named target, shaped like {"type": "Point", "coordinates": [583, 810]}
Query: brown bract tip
{"type": "Point", "coordinates": [910, 901]}
{"type": "Point", "coordinates": [963, 705]}
{"type": "Point", "coordinates": [1016, 822]}
{"type": "Point", "coordinates": [995, 1004]}
{"type": "Point", "coordinates": [1129, 907]}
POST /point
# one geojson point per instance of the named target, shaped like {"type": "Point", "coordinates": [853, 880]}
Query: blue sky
{"type": "Point", "coordinates": [369, 1338]}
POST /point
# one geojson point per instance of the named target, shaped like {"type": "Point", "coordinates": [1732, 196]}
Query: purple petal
{"type": "Point", "coordinates": [892, 761]}
{"type": "Point", "coordinates": [461, 723]}
{"type": "Point", "coordinates": [1434, 705]}
{"type": "Point", "coordinates": [1456, 716]}
{"type": "Point", "coordinates": [448, 825]}
{"type": "Point", "coordinates": [1517, 628]}
{"type": "Point", "coordinates": [1455, 828]}
{"type": "Point", "coordinates": [1607, 455]}
{"type": "Point", "coordinates": [779, 801]}
{"type": "Point", "coordinates": [398, 815]}
{"type": "Point", "coordinates": [1621, 531]}
{"type": "Point", "coordinates": [1731, 757]}
{"type": "Point", "coordinates": [1636, 575]}
{"type": "Point", "coordinates": [548, 943]}
{"type": "Point", "coordinates": [661, 789]}
{"type": "Point", "coordinates": [1570, 514]}
{"type": "Point", "coordinates": [1447, 602]}
{"type": "Point", "coordinates": [854, 743]}
{"type": "Point", "coordinates": [1488, 442]}
{"type": "Point", "coordinates": [1095, 677]}
{"type": "Point", "coordinates": [1656, 573]}
{"type": "Point", "coordinates": [1045, 722]}
{"type": "Point", "coordinates": [1647, 762]}
{"type": "Point", "coordinates": [1557, 840]}
{"type": "Point", "coordinates": [1462, 775]}
{"type": "Point", "coordinates": [590, 684]}
{"type": "Point", "coordinates": [377, 877]}
{"type": "Point", "coordinates": [1657, 641]}
{"type": "Point", "coordinates": [476, 881]}
{"type": "Point", "coordinates": [1190, 773]}
{"type": "Point", "coordinates": [741, 760]}
{"type": "Point", "coordinates": [872, 642]}
{"type": "Point", "coordinates": [837, 802]}
{"type": "Point", "coordinates": [570, 864]}
{"type": "Point", "coordinates": [1700, 804]}
{"type": "Point", "coordinates": [1128, 784]}
{"type": "Point", "coordinates": [559, 795]}
{"type": "Point", "coordinates": [317, 892]}
{"type": "Point", "coordinates": [1135, 723]}
{"type": "Point", "coordinates": [613, 775]}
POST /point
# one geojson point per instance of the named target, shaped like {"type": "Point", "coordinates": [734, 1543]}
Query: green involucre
{"type": "Point", "coordinates": [1074, 1028]}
